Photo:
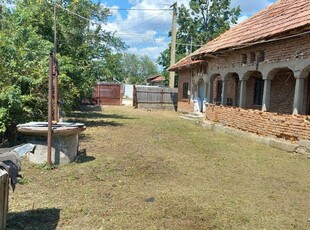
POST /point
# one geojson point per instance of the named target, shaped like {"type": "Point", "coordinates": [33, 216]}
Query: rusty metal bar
{"type": "Point", "coordinates": [50, 96]}
{"type": "Point", "coordinates": [56, 97]}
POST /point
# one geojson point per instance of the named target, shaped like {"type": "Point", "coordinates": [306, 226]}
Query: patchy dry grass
{"type": "Point", "coordinates": [153, 170]}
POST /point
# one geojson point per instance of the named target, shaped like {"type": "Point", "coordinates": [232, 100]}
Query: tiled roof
{"type": "Point", "coordinates": [184, 62]}
{"type": "Point", "coordinates": [155, 78]}
{"type": "Point", "coordinates": [278, 18]}
{"type": "Point", "coordinates": [158, 79]}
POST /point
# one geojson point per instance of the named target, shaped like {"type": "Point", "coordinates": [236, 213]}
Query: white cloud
{"type": "Point", "coordinates": [242, 18]}
{"type": "Point", "coordinates": [250, 7]}
{"type": "Point", "coordinates": [146, 31]}
{"type": "Point", "coordinates": [133, 2]}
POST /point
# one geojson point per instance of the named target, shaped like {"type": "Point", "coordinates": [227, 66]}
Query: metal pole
{"type": "Point", "coordinates": [173, 41]}
{"type": "Point", "coordinates": [50, 95]}
{"type": "Point", "coordinates": [56, 98]}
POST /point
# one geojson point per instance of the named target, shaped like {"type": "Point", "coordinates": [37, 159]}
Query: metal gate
{"type": "Point", "coordinates": [107, 94]}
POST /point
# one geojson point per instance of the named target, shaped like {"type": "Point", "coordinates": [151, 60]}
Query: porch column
{"type": "Point", "coordinates": [299, 94]}
{"type": "Point", "coordinates": [236, 81]}
{"type": "Point", "coordinates": [224, 92]}
{"type": "Point", "coordinates": [210, 92]}
{"type": "Point", "coordinates": [242, 100]}
{"type": "Point", "coordinates": [266, 95]}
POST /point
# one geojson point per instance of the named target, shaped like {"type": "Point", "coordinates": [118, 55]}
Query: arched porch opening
{"type": "Point", "coordinates": [254, 90]}
{"type": "Point", "coordinates": [216, 83]}
{"type": "Point", "coordinates": [282, 91]}
{"type": "Point", "coordinates": [305, 73]}
{"type": "Point", "coordinates": [232, 89]}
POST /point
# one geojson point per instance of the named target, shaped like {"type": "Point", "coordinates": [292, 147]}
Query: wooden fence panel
{"type": "Point", "coordinates": [153, 97]}
{"type": "Point", "coordinates": [4, 196]}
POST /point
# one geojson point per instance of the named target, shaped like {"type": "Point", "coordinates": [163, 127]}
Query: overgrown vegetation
{"type": "Point", "coordinates": [128, 68]}
{"type": "Point", "coordinates": [153, 170]}
{"type": "Point", "coordinates": [26, 39]}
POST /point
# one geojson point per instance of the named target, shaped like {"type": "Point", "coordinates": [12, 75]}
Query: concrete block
{"type": "Point", "coordinates": [304, 143]}
{"type": "Point", "coordinates": [283, 145]}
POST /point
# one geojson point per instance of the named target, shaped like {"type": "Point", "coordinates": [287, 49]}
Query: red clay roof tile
{"type": "Point", "coordinates": [280, 17]}
{"type": "Point", "coordinates": [184, 62]}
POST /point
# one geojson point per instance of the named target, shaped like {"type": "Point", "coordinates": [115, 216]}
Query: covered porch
{"type": "Point", "coordinates": [273, 100]}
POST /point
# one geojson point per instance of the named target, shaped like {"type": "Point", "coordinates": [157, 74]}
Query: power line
{"type": "Point", "coordinates": [188, 44]}
{"type": "Point", "coordinates": [129, 19]}
{"type": "Point", "coordinates": [146, 38]}
{"type": "Point", "coordinates": [135, 9]}
{"type": "Point", "coordinates": [78, 15]}
{"type": "Point", "coordinates": [147, 21]}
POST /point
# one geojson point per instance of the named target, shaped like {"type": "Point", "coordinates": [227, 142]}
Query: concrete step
{"type": "Point", "coordinates": [193, 116]}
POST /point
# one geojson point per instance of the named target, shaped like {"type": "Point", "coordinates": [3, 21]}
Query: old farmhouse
{"type": "Point", "coordinates": [255, 76]}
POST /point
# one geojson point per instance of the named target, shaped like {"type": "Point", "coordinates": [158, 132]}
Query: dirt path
{"type": "Point", "coordinates": [153, 170]}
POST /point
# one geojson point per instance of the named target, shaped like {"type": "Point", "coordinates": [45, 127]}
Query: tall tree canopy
{"type": "Point", "coordinates": [128, 68]}
{"type": "Point", "coordinates": [201, 22]}
{"type": "Point", "coordinates": [26, 39]}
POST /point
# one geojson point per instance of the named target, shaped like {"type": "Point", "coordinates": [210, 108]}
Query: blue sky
{"type": "Point", "coordinates": [146, 31]}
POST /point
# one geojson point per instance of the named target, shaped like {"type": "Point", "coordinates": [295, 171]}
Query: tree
{"type": "Point", "coordinates": [202, 22]}
{"type": "Point", "coordinates": [26, 39]}
{"type": "Point", "coordinates": [112, 69]}
{"type": "Point", "coordinates": [136, 68]}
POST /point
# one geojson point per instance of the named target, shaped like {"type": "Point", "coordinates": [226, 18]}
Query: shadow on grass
{"type": "Point", "coordinates": [95, 119]}
{"type": "Point", "coordinates": [34, 219]}
{"type": "Point", "coordinates": [82, 157]}
{"type": "Point", "coordinates": [97, 123]}
{"type": "Point", "coordinates": [97, 115]}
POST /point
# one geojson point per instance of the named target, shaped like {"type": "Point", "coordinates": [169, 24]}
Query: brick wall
{"type": "Point", "coordinates": [185, 107]}
{"type": "Point", "coordinates": [287, 49]}
{"type": "Point", "coordinates": [282, 93]}
{"type": "Point", "coordinates": [184, 77]}
{"type": "Point", "coordinates": [262, 123]}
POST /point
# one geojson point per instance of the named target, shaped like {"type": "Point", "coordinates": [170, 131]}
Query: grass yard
{"type": "Point", "coordinates": [154, 170]}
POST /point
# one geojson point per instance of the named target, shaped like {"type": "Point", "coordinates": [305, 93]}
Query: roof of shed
{"type": "Point", "coordinates": [280, 17]}
{"type": "Point", "coordinates": [158, 79]}
{"type": "Point", "coordinates": [155, 78]}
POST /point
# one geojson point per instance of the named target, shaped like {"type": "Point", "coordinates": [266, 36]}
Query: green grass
{"type": "Point", "coordinates": [152, 170]}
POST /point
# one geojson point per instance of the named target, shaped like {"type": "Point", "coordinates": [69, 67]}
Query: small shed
{"type": "Point", "coordinates": [155, 80]}
{"type": "Point", "coordinates": [107, 94]}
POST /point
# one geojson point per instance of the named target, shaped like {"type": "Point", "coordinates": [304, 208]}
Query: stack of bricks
{"type": "Point", "coordinates": [290, 127]}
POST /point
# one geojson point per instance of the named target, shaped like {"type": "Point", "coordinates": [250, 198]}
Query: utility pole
{"type": "Point", "coordinates": [191, 50]}
{"type": "Point", "coordinates": [173, 41]}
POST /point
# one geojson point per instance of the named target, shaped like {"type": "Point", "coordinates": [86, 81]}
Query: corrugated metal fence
{"type": "Point", "coordinates": [152, 97]}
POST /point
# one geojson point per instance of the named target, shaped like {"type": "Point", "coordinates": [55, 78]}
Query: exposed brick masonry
{"type": "Point", "coordinates": [285, 126]}
{"type": "Point", "coordinates": [282, 50]}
